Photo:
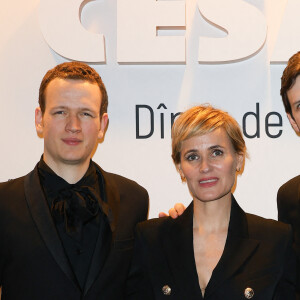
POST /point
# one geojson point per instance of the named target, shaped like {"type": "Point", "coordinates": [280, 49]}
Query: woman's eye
{"type": "Point", "coordinates": [217, 152]}
{"type": "Point", "coordinates": [192, 157]}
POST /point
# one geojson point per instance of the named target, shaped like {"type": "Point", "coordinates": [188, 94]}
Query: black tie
{"type": "Point", "coordinates": [75, 205]}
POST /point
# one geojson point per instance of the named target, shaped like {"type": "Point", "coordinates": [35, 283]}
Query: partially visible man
{"type": "Point", "coordinates": [288, 197]}
{"type": "Point", "coordinates": [66, 228]}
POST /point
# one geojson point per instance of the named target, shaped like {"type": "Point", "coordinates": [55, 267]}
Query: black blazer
{"type": "Point", "coordinates": [288, 202]}
{"type": "Point", "coordinates": [33, 264]}
{"type": "Point", "coordinates": [257, 255]}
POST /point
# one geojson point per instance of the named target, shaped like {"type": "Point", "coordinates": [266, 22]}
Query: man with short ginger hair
{"type": "Point", "coordinates": [66, 228]}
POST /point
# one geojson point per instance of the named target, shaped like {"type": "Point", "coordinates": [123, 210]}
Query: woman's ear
{"type": "Point", "coordinates": [240, 161]}
{"type": "Point", "coordinates": [178, 167]}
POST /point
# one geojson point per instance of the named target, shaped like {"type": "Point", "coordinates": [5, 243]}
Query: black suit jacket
{"type": "Point", "coordinates": [288, 202]}
{"type": "Point", "coordinates": [257, 254]}
{"type": "Point", "coordinates": [33, 264]}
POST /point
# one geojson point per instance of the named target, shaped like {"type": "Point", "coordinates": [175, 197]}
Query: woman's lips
{"type": "Point", "coordinates": [208, 182]}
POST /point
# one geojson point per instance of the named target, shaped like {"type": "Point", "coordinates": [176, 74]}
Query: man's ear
{"type": "Point", "coordinates": [103, 124]}
{"type": "Point", "coordinates": [293, 123]}
{"type": "Point", "coordinates": [39, 121]}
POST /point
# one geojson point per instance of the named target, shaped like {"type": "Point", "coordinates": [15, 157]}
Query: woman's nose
{"type": "Point", "coordinates": [204, 165]}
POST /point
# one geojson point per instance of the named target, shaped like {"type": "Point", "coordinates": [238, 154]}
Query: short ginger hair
{"type": "Point", "coordinates": [76, 71]}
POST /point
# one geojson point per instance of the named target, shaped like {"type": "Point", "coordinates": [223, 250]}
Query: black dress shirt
{"type": "Point", "coordinates": [78, 250]}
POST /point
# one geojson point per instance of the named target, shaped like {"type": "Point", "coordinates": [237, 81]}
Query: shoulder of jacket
{"type": "Point", "coordinates": [267, 228]}
{"type": "Point", "coordinates": [11, 183]}
{"type": "Point", "coordinates": [295, 181]}
{"type": "Point", "coordinates": [11, 191]}
{"type": "Point", "coordinates": [121, 181]}
{"type": "Point", "coordinates": [154, 227]}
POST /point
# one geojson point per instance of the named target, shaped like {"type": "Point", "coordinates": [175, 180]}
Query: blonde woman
{"type": "Point", "coordinates": [214, 250]}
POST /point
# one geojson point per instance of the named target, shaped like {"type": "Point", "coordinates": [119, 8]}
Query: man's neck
{"type": "Point", "coordinates": [71, 173]}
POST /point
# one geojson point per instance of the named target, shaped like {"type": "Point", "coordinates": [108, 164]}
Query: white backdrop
{"type": "Point", "coordinates": [236, 87]}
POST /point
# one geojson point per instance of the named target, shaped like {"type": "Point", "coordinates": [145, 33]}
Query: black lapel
{"type": "Point", "coordinates": [179, 250]}
{"type": "Point", "coordinates": [237, 249]}
{"type": "Point", "coordinates": [100, 254]}
{"type": "Point", "coordinates": [110, 206]}
{"type": "Point", "coordinates": [40, 212]}
{"type": "Point", "coordinates": [111, 199]}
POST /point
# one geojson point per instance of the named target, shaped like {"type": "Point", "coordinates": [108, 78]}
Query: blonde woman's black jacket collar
{"type": "Point", "coordinates": [257, 255]}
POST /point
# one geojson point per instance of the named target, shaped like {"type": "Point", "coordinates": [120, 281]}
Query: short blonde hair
{"type": "Point", "coordinates": [200, 120]}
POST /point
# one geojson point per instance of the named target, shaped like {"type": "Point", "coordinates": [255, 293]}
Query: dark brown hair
{"type": "Point", "coordinates": [290, 73]}
{"type": "Point", "coordinates": [73, 70]}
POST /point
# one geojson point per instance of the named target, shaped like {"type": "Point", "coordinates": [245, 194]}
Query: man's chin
{"type": "Point", "coordinates": [75, 161]}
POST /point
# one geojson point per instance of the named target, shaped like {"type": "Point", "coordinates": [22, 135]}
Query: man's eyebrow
{"type": "Point", "coordinates": [86, 108]}
{"type": "Point", "coordinates": [296, 102]}
{"type": "Point", "coordinates": [66, 107]}
{"type": "Point", "coordinates": [59, 107]}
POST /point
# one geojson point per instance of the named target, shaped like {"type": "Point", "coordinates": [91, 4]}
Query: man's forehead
{"type": "Point", "coordinates": [64, 84]}
{"type": "Point", "coordinates": [73, 89]}
{"type": "Point", "coordinates": [64, 81]}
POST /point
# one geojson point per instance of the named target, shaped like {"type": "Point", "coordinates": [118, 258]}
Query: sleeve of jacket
{"type": "Point", "coordinates": [288, 207]}
{"type": "Point", "coordinates": [283, 205]}
{"type": "Point", "coordinates": [287, 284]}
{"type": "Point", "coordinates": [137, 285]}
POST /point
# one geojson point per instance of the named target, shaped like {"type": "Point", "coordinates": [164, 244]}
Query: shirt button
{"type": "Point", "coordinates": [79, 251]}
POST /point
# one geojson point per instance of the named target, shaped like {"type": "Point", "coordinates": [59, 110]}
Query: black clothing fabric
{"type": "Point", "coordinates": [34, 264]}
{"type": "Point", "coordinates": [288, 204]}
{"type": "Point", "coordinates": [257, 256]}
{"type": "Point", "coordinates": [75, 209]}
{"type": "Point", "coordinates": [74, 204]}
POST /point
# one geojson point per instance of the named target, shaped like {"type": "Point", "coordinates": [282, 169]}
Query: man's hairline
{"type": "Point", "coordinates": [72, 79]}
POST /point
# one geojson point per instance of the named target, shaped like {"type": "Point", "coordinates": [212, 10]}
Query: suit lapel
{"type": "Point", "coordinates": [178, 245]}
{"type": "Point", "coordinates": [112, 200]}
{"type": "Point", "coordinates": [110, 207]}
{"type": "Point", "coordinates": [100, 254]}
{"type": "Point", "coordinates": [40, 212]}
{"type": "Point", "coordinates": [238, 249]}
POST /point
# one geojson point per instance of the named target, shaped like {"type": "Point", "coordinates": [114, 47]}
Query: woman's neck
{"type": "Point", "coordinates": [212, 216]}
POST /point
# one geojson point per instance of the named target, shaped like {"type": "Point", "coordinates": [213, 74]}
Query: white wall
{"type": "Point", "coordinates": [236, 87]}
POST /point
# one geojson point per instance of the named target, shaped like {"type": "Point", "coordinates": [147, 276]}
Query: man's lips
{"type": "Point", "coordinates": [71, 141]}
{"type": "Point", "coordinates": [208, 182]}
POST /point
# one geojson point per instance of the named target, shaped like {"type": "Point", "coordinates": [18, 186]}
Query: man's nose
{"type": "Point", "coordinates": [73, 123]}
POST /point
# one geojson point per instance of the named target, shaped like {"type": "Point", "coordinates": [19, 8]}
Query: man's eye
{"type": "Point", "coordinates": [86, 114]}
{"type": "Point", "coordinates": [60, 112]}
